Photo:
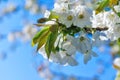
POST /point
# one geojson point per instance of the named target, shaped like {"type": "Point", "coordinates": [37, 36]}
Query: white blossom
{"type": "Point", "coordinates": [84, 46]}
{"type": "Point", "coordinates": [86, 49]}
{"type": "Point", "coordinates": [69, 48]}
{"type": "Point", "coordinates": [63, 57]}
{"type": "Point", "coordinates": [112, 21]}
{"type": "Point", "coordinates": [82, 17]}
{"type": "Point", "coordinates": [88, 55]}
{"type": "Point", "coordinates": [47, 14]}
{"type": "Point", "coordinates": [99, 39]}
{"type": "Point", "coordinates": [117, 7]}
{"type": "Point", "coordinates": [98, 20]}
{"type": "Point", "coordinates": [60, 57]}
{"type": "Point", "coordinates": [60, 8]}
{"type": "Point", "coordinates": [69, 60]}
{"type": "Point", "coordinates": [67, 18]}
{"type": "Point", "coordinates": [103, 26]}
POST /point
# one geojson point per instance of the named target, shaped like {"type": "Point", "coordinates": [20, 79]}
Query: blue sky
{"type": "Point", "coordinates": [18, 64]}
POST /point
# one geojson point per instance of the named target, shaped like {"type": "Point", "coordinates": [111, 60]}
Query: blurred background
{"type": "Point", "coordinates": [19, 61]}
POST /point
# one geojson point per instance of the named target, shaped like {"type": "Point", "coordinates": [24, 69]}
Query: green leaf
{"type": "Point", "coordinates": [118, 41]}
{"type": "Point", "coordinates": [102, 5]}
{"type": "Point", "coordinates": [113, 2]}
{"type": "Point", "coordinates": [43, 39]}
{"type": "Point", "coordinates": [38, 35]}
{"type": "Point", "coordinates": [118, 14]}
{"type": "Point", "coordinates": [49, 46]}
{"type": "Point", "coordinates": [53, 15]}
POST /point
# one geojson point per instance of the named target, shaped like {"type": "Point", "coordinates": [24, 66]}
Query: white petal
{"type": "Point", "coordinates": [47, 14]}
{"type": "Point", "coordinates": [93, 54]}
{"type": "Point", "coordinates": [72, 61]}
{"type": "Point", "coordinates": [87, 57]}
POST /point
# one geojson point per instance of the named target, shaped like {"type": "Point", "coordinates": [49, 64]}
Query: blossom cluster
{"type": "Point", "coordinates": [74, 27]}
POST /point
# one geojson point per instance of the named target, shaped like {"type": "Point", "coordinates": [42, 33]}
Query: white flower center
{"type": "Point", "coordinates": [63, 9]}
{"type": "Point", "coordinates": [70, 17]}
{"type": "Point", "coordinates": [82, 38]}
{"type": "Point", "coordinates": [80, 16]}
{"type": "Point", "coordinates": [111, 16]}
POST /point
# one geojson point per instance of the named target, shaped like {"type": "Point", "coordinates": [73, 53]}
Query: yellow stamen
{"type": "Point", "coordinates": [81, 16]}
{"type": "Point", "coordinates": [70, 17]}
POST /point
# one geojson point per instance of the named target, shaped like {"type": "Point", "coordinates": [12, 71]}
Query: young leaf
{"type": "Point", "coordinates": [118, 41]}
{"type": "Point", "coordinates": [102, 5]}
{"type": "Point", "coordinates": [113, 2]}
{"type": "Point", "coordinates": [49, 46]}
{"type": "Point", "coordinates": [53, 15]}
{"type": "Point", "coordinates": [118, 14]}
{"type": "Point", "coordinates": [38, 35]}
{"type": "Point", "coordinates": [43, 39]}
